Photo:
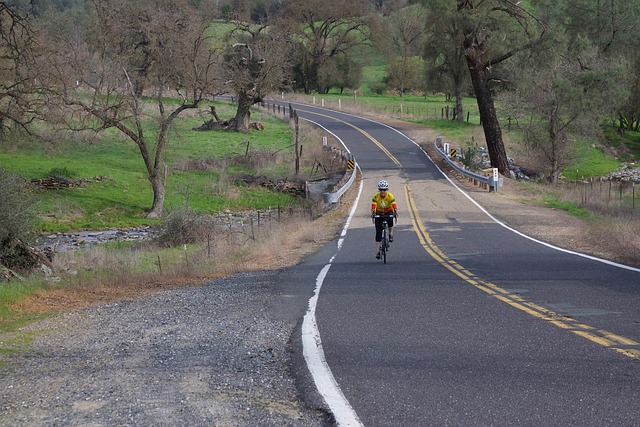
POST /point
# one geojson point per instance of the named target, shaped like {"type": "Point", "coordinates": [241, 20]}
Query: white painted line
{"type": "Point", "coordinates": [320, 371]}
{"type": "Point", "coordinates": [314, 354]}
{"type": "Point", "coordinates": [351, 214]}
{"type": "Point", "coordinates": [549, 245]}
{"type": "Point", "coordinates": [328, 131]}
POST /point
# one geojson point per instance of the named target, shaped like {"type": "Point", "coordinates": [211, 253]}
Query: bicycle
{"type": "Point", "coordinates": [384, 243]}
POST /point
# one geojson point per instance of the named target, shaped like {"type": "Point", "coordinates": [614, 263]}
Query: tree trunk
{"type": "Point", "coordinates": [215, 114]}
{"type": "Point", "coordinates": [156, 171]}
{"type": "Point", "coordinates": [457, 83]}
{"type": "Point", "coordinates": [243, 112]}
{"type": "Point", "coordinates": [488, 116]}
{"type": "Point", "coordinates": [555, 152]}
{"type": "Point", "coordinates": [157, 178]}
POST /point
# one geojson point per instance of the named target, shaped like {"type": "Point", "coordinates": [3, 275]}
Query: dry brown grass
{"type": "Point", "coordinates": [98, 275]}
{"type": "Point", "coordinates": [613, 222]}
{"type": "Point", "coordinates": [617, 236]}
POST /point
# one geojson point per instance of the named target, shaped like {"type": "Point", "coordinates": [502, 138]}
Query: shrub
{"type": "Point", "coordinates": [16, 218]}
{"type": "Point", "coordinates": [62, 173]}
{"type": "Point", "coordinates": [378, 88]}
{"type": "Point", "coordinates": [469, 158]}
{"type": "Point", "coordinates": [184, 226]}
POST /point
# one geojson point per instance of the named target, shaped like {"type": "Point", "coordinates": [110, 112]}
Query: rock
{"type": "Point", "coordinates": [627, 173]}
{"type": "Point", "coordinates": [24, 257]}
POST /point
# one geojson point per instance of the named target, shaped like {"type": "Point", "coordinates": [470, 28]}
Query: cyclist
{"type": "Point", "coordinates": [383, 202]}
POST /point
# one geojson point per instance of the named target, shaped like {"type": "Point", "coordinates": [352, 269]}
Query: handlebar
{"type": "Point", "coordinates": [385, 216]}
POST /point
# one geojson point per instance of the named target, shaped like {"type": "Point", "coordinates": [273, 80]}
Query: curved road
{"type": "Point", "coordinates": [469, 323]}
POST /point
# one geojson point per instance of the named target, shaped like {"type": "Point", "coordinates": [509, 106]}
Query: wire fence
{"type": "Point", "coordinates": [605, 195]}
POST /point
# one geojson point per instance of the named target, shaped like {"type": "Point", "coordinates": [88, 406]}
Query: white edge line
{"type": "Point", "coordinates": [323, 378]}
{"type": "Point", "coordinates": [351, 214]}
{"type": "Point", "coordinates": [317, 364]}
{"type": "Point", "coordinates": [328, 131]}
{"type": "Point", "coordinates": [355, 204]}
{"type": "Point", "coordinates": [549, 245]}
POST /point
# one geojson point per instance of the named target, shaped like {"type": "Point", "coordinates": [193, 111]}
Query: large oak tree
{"type": "Point", "coordinates": [491, 31]}
{"type": "Point", "coordinates": [18, 87]}
{"type": "Point", "coordinates": [118, 70]}
{"type": "Point", "coordinates": [255, 64]}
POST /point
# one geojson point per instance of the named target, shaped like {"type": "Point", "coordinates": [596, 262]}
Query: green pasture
{"type": "Point", "coordinates": [626, 144]}
{"type": "Point", "coordinates": [590, 162]}
{"type": "Point", "coordinates": [122, 197]}
{"type": "Point", "coordinates": [408, 107]}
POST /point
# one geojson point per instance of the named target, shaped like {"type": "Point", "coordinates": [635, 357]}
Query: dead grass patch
{"type": "Point", "coordinates": [616, 236]}
{"type": "Point", "coordinates": [98, 275]}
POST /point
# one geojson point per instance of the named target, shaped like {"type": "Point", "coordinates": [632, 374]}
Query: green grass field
{"type": "Point", "coordinates": [122, 198]}
{"type": "Point", "coordinates": [430, 111]}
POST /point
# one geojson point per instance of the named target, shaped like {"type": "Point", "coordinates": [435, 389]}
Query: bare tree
{"type": "Point", "coordinates": [132, 56]}
{"type": "Point", "coordinates": [325, 30]}
{"type": "Point", "coordinates": [255, 64]}
{"type": "Point", "coordinates": [407, 31]}
{"type": "Point", "coordinates": [17, 85]}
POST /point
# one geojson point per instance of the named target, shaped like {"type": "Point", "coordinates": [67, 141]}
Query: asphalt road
{"type": "Point", "coordinates": [468, 323]}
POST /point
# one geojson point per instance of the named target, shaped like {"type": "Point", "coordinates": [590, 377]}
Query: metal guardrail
{"type": "Point", "coordinates": [490, 182]}
{"type": "Point", "coordinates": [335, 197]}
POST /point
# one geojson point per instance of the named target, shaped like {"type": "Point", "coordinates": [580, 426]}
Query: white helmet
{"type": "Point", "coordinates": [383, 185]}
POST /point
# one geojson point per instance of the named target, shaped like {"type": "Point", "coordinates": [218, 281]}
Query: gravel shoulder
{"type": "Point", "coordinates": [218, 353]}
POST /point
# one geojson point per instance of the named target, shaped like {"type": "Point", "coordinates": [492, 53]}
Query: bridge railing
{"type": "Point", "coordinates": [278, 108]}
{"type": "Point", "coordinates": [335, 196]}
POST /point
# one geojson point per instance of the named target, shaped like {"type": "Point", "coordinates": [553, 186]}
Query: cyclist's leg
{"type": "Point", "coordinates": [390, 225]}
{"type": "Point", "coordinates": [378, 222]}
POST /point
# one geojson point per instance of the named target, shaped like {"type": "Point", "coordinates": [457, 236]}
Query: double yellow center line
{"type": "Point", "coordinates": [615, 342]}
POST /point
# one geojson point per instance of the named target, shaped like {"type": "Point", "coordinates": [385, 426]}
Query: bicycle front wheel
{"type": "Point", "coordinates": [383, 246]}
